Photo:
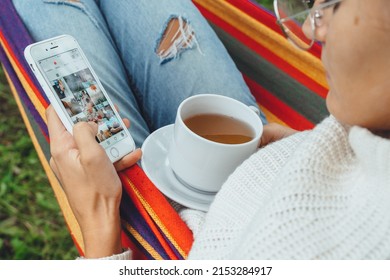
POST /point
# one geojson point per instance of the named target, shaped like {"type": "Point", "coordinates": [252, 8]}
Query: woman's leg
{"type": "Point", "coordinates": [83, 20]}
{"type": "Point", "coordinates": [163, 71]}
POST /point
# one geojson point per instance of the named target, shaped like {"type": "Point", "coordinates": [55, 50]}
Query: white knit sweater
{"type": "Point", "coordinates": [323, 194]}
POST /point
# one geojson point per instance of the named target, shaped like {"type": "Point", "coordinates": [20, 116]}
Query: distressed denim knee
{"type": "Point", "coordinates": [177, 36]}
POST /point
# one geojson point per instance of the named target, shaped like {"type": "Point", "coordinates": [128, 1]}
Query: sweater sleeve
{"type": "Point", "coordinates": [126, 255]}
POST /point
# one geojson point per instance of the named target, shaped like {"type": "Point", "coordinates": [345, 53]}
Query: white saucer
{"type": "Point", "coordinates": [155, 164]}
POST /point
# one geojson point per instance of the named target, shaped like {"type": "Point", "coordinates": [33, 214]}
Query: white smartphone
{"type": "Point", "coordinates": [76, 93]}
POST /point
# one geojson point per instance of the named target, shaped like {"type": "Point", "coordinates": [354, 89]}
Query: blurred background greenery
{"type": "Point", "coordinates": [31, 223]}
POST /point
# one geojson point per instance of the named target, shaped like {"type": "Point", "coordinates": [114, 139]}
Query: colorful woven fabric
{"type": "Point", "coordinates": [151, 227]}
{"type": "Point", "coordinates": [289, 84]}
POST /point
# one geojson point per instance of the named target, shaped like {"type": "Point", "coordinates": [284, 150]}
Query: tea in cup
{"type": "Point", "coordinates": [213, 135]}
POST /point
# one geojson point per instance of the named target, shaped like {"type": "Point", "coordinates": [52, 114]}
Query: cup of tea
{"type": "Point", "coordinates": [213, 134]}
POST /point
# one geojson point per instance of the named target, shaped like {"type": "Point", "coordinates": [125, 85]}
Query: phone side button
{"type": "Point", "coordinates": [114, 152]}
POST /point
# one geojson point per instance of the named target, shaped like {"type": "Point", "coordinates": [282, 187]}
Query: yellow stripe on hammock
{"type": "Point", "coordinates": [156, 218]}
{"type": "Point", "coordinates": [142, 241]}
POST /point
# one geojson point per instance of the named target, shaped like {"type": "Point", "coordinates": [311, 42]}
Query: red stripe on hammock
{"type": "Point", "coordinates": [266, 54]}
{"type": "Point", "coordinates": [23, 71]}
{"type": "Point", "coordinates": [145, 215]}
{"type": "Point", "coordinates": [179, 231]}
{"type": "Point", "coordinates": [278, 107]}
{"type": "Point", "coordinates": [46, 137]}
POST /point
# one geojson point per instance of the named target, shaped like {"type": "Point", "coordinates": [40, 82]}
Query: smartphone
{"type": "Point", "coordinates": [75, 92]}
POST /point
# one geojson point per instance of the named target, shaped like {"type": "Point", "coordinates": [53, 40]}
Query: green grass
{"type": "Point", "coordinates": [266, 3]}
{"type": "Point", "coordinates": [31, 223]}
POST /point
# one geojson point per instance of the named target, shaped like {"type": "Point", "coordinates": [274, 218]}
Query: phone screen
{"type": "Point", "coordinates": [81, 98]}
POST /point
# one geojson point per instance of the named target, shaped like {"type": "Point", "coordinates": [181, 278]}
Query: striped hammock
{"type": "Point", "coordinates": [289, 84]}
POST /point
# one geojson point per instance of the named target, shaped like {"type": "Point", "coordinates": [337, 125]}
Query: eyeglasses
{"type": "Point", "coordinates": [292, 15]}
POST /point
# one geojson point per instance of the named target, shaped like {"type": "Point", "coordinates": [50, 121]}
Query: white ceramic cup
{"type": "Point", "coordinates": [201, 164]}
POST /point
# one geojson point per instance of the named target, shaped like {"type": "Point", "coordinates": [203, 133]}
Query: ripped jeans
{"type": "Point", "coordinates": [148, 54]}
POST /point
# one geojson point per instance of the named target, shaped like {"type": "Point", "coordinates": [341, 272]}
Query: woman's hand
{"type": "Point", "coordinates": [273, 132]}
{"type": "Point", "coordinates": [90, 182]}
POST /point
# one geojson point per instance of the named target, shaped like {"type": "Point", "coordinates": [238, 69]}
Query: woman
{"type": "Point", "coordinates": [320, 194]}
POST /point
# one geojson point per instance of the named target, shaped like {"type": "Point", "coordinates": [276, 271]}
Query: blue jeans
{"type": "Point", "coordinates": [123, 41]}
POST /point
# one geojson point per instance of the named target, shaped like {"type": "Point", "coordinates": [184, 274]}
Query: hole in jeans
{"type": "Point", "coordinates": [177, 36]}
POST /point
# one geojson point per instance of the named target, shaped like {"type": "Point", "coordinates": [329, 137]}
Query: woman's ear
{"type": "Point", "coordinates": [321, 32]}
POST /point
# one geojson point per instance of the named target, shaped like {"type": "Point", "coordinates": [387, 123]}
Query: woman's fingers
{"type": "Point", "coordinates": [126, 122]}
{"type": "Point", "coordinates": [61, 141]}
{"type": "Point", "coordinates": [85, 137]}
{"type": "Point", "coordinates": [128, 160]}
{"type": "Point", "coordinates": [273, 132]}
{"type": "Point", "coordinates": [54, 124]}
